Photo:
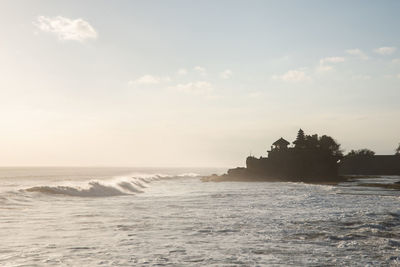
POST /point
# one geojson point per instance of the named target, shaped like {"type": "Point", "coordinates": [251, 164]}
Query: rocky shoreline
{"type": "Point", "coordinates": [233, 178]}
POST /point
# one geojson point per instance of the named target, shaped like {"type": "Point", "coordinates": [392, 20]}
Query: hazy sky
{"type": "Point", "coordinates": [193, 83]}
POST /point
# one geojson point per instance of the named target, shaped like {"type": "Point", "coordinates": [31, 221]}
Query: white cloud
{"type": "Point", "coordinates": [357, 52]}
{"type": "Point", "coordinates": [255, 94]}
{"type": "Point", "coordinates": [147, 79]}
{"type": "Point", "coordinates": [182, 72]}
{"type": "Point", "coordinates": [323, 61]}
{"type": "Point", "coordinates": [362, 77]}
{"type": "Point", "coordinates": [197, 88]}
{"type": "Point", "coordinates": [396, 60]}
{"type": "Point", "coordinates": [226, 74]}
{"type": "Point", "coordinates": [398, 75]}
{"type": "Point", "coordinates": [200, 70]}
{"type": "Point", "coordinates": [332, 60]}
{"type": "Point", "coordinates": [293, 76]}
{"type": "Point", "coordinates": [150, 79]}
{"type": "Point", "coordinates": [67, 29]}
{"type": "Point", "coordinates": [324, 68]}
{"type": "Point", "coordinates": [386, 50]}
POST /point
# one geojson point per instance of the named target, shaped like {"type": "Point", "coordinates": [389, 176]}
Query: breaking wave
{"type": "Point", "coordinates": [106, 188]}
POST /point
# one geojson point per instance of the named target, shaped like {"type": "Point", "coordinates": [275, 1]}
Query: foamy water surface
{"type": "Point", "coordinates": [168, 217]}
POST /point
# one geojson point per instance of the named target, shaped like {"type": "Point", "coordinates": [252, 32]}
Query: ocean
{"type": "Point", "coordinates": [169, 217]}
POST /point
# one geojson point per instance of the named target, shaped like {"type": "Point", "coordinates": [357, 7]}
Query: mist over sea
{"type": "Point", "coordinates": [168, 217]}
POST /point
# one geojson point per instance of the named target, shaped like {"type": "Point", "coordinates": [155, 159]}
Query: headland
{"type": "Point", "coordinates": [310, 159]}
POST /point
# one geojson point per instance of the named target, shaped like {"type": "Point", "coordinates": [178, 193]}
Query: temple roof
{"type": "Point", "coordinates": [281, 142]}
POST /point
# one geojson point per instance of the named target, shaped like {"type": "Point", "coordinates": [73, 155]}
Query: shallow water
{"type": "Point", "coordinates": [168, 217]}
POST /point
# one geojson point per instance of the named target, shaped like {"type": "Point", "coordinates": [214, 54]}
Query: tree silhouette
{"type": "Point", "coordinates": [329, 144]}
{"type": "Point", "coordinates": [398, 150]}
{"type": "Point", "coordinates": [365, 152]}
{"type": "Point", "coordinates": [311, 141]}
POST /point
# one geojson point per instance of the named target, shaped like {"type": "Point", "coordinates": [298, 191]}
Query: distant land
{"type": "Point", "coordinates": [311, 159]}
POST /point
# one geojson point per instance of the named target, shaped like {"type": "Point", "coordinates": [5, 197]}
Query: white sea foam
{"type": "Point", "coordinates": [66, 220]}
{"type": "Point", "coordinates": [118, 186]}
{"type": "Point", "coordinates": [95, 189]}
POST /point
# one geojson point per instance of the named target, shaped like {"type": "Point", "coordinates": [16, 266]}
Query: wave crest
{"type": "Point", "coordinates": [116, 187]}
{"type": "Point", "coordinates": [95, 190]}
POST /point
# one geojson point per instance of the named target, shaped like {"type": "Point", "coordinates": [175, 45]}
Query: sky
{"type": "Point", "coordinates": [193, 83]}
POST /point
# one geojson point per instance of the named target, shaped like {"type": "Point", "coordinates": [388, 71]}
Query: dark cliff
{"type": "Point", "coordinates": [370, 165]}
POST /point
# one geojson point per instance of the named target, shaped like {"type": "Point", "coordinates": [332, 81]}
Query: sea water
{"type": "Point", "coordinates": [169, 217]}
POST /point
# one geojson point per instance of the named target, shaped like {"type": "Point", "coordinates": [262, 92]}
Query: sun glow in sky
{"type": "Point", "coordinates": [193, 83]}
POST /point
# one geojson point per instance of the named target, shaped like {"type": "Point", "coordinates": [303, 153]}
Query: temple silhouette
{"type": "Point", "coordinates": [310, 159]}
